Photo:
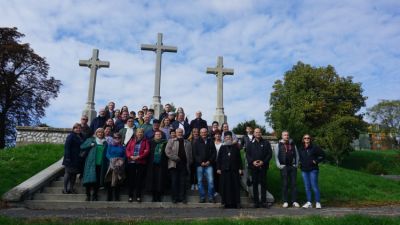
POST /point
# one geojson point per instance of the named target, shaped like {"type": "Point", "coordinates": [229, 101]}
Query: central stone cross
{"type": "Point", "coordinates": [220, 72]}
{"type": "Point", "coordinates": [159, 49]}
{"type": "Point", "coordinates": [94, 64]}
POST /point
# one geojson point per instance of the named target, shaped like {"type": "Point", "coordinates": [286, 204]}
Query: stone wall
{"type": "Point", "coordinates": [28, 135]}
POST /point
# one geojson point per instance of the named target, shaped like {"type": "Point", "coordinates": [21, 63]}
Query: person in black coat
{"type": "Point", "coordinates": [71, 159]}
{"type": "Point", "coordinates": [310, 156]}
{"type": "Point", "coordinates": [198, 123]}
{"type": "Point", "coordinates": [229, 166]}
{"type": "Point", "coordinates": [204, 155]}
{"type": "Point", "coordinates": [99, 121]}
{"type": "Point", "coordinates": [258, 155]}
{"type": "Point", "coordinates": [157, 167]}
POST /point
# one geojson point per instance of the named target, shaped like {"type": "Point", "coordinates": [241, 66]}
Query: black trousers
{"type": "Point", "coordinates": [288, 177]}
{"type": "Point", "coordinates": [259, 178]}
{"type": "Point", "coordinates": [136, 175]}
{"type": "Point", "coordinates": [178, 182]}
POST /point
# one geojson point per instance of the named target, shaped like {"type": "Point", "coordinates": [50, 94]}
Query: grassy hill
{"type": "Point", "coordinates": [361, 160]}
{"type": "Point", "coordinates": [20, 163]}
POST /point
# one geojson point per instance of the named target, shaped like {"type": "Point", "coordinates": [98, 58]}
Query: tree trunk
{"type": "Point", "coordinates": [2, 130]}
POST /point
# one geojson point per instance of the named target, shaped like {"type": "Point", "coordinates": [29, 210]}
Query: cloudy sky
{"type": "Point", "coordinates": [260, 40]}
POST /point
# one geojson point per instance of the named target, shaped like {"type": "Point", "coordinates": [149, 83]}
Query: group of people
{"type": "Point", "coordinates": [157, 154]}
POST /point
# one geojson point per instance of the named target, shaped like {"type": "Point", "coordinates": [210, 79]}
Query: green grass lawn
{"type": "Point", "coordinates": [314, 220]}
{"type": "Point", "coordinates": [20, 163]}
{"type": "Point", "coordinates": [359, 160]}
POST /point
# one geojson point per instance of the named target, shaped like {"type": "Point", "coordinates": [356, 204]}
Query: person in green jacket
{"type": "Point", "coordinates": [96, 163]}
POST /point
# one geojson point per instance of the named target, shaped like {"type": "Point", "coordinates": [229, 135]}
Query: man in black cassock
{"type": "Point", "coordinates": [229, 165]}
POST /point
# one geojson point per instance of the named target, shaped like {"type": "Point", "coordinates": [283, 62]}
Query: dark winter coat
{"type": "Point", "coordinates": [203, 152]}
{"type": "Point", "coordinates": [71, 150]}
{"type": "Point", "coordinates": [310, 154]}
{"type": "Point", "coordinates": [163, 167]}
{"type": "Point", "coordinates": [259, 150]}
{"type": "Point", "coordinates": [198, 123]}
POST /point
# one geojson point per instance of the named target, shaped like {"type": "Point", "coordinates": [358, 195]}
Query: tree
{"type": "Point", "coordinates": [387, 114]}
{"type": "Point", "coordinates": [317, 101]}
{"type": "Point", "coordinates": [241, 127]}
{"type": "Point", "coordinates": [25, 89]}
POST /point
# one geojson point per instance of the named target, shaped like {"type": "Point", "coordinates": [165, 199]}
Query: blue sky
{"type": "Point", "coordinates": [260, 40]}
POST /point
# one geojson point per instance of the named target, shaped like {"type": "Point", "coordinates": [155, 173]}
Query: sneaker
{"type": "Point", "coordinates": [307, 205]}
{"type": "Point", "coordinates": [196, 187]}
{"type": "Point", "coordinates": [202, 200]}
{"type": "Point", "coordinates": [285, 205]}
{"type": "Point", "coordinates": [192, 187]}
{"type": "Point", "coordinates": [296, 205]}
{"type": "Point", "coordinates": [318, 205]}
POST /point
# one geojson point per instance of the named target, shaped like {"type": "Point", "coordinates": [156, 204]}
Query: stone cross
{"type": "Point", "coordinates": [94, 64]}
{"type": "Point", "coordinates": [220, 72]}
{"type": "Point", "coordinates": [159, 49]}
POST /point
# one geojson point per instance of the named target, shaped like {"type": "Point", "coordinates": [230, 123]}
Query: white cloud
{"type": "Point", "coordinates": [260, 40]}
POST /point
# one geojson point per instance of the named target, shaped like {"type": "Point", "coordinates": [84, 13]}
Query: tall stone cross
{"type": "Point", "coordinates": [220, 72]}
{"type": "Point", "coordinates": [94, 64]}
{"type": "Point", "coordinates": [159, 49]}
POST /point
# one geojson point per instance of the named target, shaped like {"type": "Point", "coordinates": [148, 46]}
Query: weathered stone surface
{"type": "Point", "coordinates": [27, 135]}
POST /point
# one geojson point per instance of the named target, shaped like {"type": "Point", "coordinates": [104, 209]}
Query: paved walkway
{"type": "Point", "coordinates": [200, 213]}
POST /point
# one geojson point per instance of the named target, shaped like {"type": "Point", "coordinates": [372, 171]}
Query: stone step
{"type": "Point", "coordinates": [102, 191]}
{"type": "Point", "coordinates": [47, 204]}
{"type": "Point", "coordinates": [124, 198]}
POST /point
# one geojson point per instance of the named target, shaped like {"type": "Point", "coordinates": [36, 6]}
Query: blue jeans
{"type": "Point", "coordinates": [208, 173]}
{"type": "Point", "coordinates": [311, 182]}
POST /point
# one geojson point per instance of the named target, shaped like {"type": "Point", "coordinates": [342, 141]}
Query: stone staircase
{"type": "Point", "coordinates": [51, 197]}
{"type": "Point", "coordinates": [44, 191]}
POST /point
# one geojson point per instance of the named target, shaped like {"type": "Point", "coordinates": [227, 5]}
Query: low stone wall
{"type": "Point", "coordinates": [29, 135]}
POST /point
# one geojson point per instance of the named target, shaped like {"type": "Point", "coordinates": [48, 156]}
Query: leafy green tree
{"type": "Point", "coordinates": [387, 114]}
{"type": "Point", "coordinates": [241, 127]}
{"type": "Point", "coordinates": [314, 100]}
{"type": "Point", "coordinates": [25, 88]}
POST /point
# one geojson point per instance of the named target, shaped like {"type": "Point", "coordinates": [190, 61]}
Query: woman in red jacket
{"type": "Point", "coordinates": [137, 150]}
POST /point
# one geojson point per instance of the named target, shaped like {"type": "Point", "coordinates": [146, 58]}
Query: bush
{"type": "Point", "coordinates": [375, 168]}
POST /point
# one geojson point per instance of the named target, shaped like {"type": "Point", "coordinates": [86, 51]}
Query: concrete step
{"type": "Point", "coordinates": [47, 204]}
{"type": "Point", "coordinates": [102, 191]}
{"type": "Point", "coordinates": [103, 197]}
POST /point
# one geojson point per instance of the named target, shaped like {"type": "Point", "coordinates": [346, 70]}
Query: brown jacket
{"type": "Point", "coordinates": [171, 150]}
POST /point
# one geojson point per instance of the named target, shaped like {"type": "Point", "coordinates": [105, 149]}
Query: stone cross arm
{"type": "Point", "coordinates": [220, 70]}
{"type": "Point", "coordinates": [164, 48]}
{"type": "Point", "coordinates": [94, 61]}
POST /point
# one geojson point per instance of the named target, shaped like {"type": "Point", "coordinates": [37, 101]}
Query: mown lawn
{"type": "Point", "coordinates": [313, 220]}
{"type": "Point", "coordinates": [359, 160]}
{"type": "Point", "coordinates": [20, 163]}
